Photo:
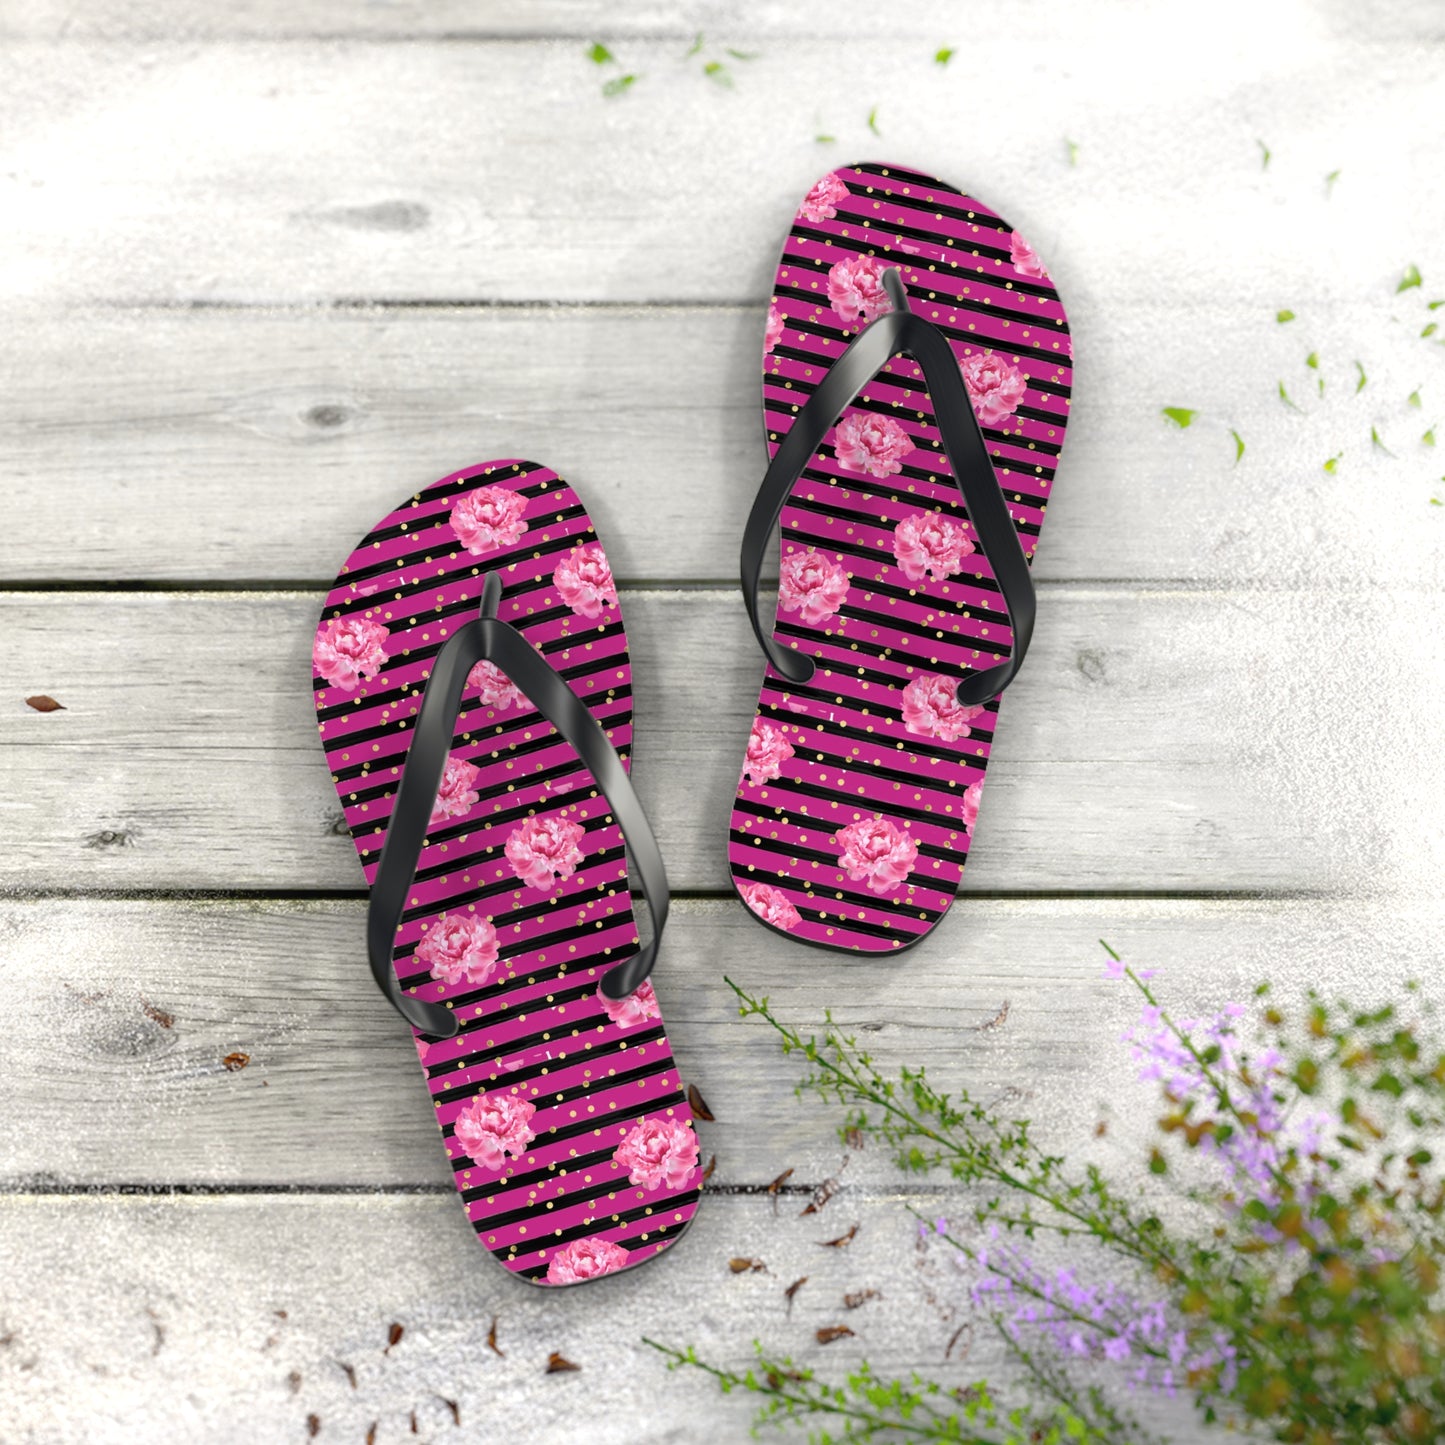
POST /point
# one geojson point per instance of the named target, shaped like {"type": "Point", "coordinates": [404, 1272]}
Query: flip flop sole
{"type": "Point", "coordinates": [562, 1112]}
{"type": "Point", "coordinates": [860, 790]}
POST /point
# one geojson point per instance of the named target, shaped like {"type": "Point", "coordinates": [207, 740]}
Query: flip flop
{"type": "Point", "coordinates": [475, 703]}
{"type": "Point", "coordinates": [909, 519]}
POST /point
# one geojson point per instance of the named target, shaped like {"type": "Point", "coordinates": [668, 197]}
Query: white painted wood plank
{"type": "Point", "coordinates": [185, 170]}
{"type": "Point", "coordinates": [229, 1320]}
{"type": "Point", "coordinates": [1157, 740]}
{"type": "Point", "coordinates": [122, 1011]}
{"type": "Point", "coordinates": [226, 446]}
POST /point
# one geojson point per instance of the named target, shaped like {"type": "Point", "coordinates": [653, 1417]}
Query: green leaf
{"type": "Point", "coordinates": [1434, 305]}
{"type": "Point", "coordinates": [1360, 384]}
{"type": "Point", "coordinates": [1330, 183]}
{"type": "Point", "coordinates": [1158, 1164]}
{"type": "Point", "coordinates": [618, 84]}
{"type": "Point", "coordinates": [1238, 445]}
{"type": "Point", "coordinates": [1414, 397]}
{"type": "Point", "coordinates": [744, 54]}
{"type": "Point", "coordinates": [1409, 279]}
{"type": "Point", "coordinates": [1073, 150]}
{"type": "Point", "coordinates": [1264, 155]}
{"type": "Point", "coordinates": [715, 70]}
{"type": "Point", "coordinates": [1283, 316]}
{"type": "Point", "coordinates": [1181, 416]}
{"type": "Point", "coordinates": [1429, 438]}
{"type": "Point", "coordinates": [1436, 502]}
{"type": "Point", "coordinates": [1431, 329]}
{"type": "Point", "coordinates": [1313, 361]}
{"type": "Point", "coordinates": [825, 140]}
{"type": "Point", "coordinates": [1284, 396]}
{"type": "Point", "coordinates": [1332, 465]}
{"type": "Point", "coordinates": [942, 57]}
{"type": "Point", "coordinates": [873, 121]}
{"type": "Point", "coordinates": [694, 47]}
{"type": "Point", "coordinates": [600, 54]}
{"type": "Point", "coordinates": [1377, 440]}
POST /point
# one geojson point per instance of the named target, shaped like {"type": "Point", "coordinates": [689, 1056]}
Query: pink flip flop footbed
{"type": "Point", "coordinates": [861, 788]}
{"type": "Point", "coordinates": [561, 1110]}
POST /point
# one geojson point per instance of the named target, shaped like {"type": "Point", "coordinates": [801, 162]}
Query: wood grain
{"type": "Point", "coordinates": [123, 1011]}
{"type": "Point", "coordinates": [1158, 740]}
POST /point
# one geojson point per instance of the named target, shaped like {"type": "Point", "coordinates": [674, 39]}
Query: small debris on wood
{"type": "Point", "coordinates": [1100, 1129]}
{"type": "Point", "coordinates": [698, 1104]}
{"type": "Point", "coordinates": [854, 1136]}
{"type": "Point", "coordinates": [776, 1185]}
{"type": "Point", "coordinates": [371, 1432]}
{"type": "Point", "coordinates": [711, 1165]}
{"type": "Point", "coordinates": [157, 1015]}
{"type": "Point", "coordinates": [776, 1377]}
{"type": "Point", "coordinates": [160, 1331]}
{"type": "Point", "coordinates": [393, 1337]}
{"type": "Point", "coordinates": [825, 1191]}
{"type": "Point", "coordinates": [966, 1328]}
{"type": "Point", "coordinates": [41, 703]}
{"type": "Point", "coordinates": [349, 1371]}
{"type": "Point", "coordinates": [792, 1289]}
{"type": "Point", "coordinates": [841, 1241]}
{"type": "Point", "coordinates": [859, 1297]}
{"type": "Point", "coordinates": [829, 1333]}
{"type": "Point", "coordinates": [281, 1314]}
{"type": "Point", "coordinates": [996, 1022]}
{"type": "Point", "coordinates": [453, 1407]}
{"type": "Point", "coordinates": [294, 1380]}
{"type": "Point", "coordinates": [492, 1344]}
{"type": "Point", "coordinates": [313, 1425]}
{"type": "Point", "coordinates": [414, 1430]}
{"type": "Point", "coordinates": [560, 1364]}
{"type": "Point", "coordinates": [234, 1063]}
{"type": "Point", "coordinates": [739, 1265]}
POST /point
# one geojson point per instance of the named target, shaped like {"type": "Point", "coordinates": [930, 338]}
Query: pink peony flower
{"type": "Point", "coordinates": [872, 444]}
{"type": "Point", "coordinates": [969, 811]}
{"type": "Point", "coordinates": [995, 386]}
{"type": "Point", "coordinates": [493, 1126]}
{"type": "Point", "coordinates": [659, 1151]}
{"type": "Point", "coordinates": [495, 688]}
{"type": "Point", "coordinates": [1025, 259]}
{"type": "Point", "coordinates": [773, 333]}
{"type": "Point", "coordinates": [348, 647]}
{"type": "Point", "coordinates": [489, 519]}
{"type": "Point", "coordinates": [585, 580]}
{"type": "Point", "coordinates": [585, 1259]}
{"type": "Point", "coordinates": [460, 947]}
{"type": "Point", "coordinates": [768, 750]}
{"type": "Point", "coordinates": [855, 288]}
{"type": "Point", "coordinates": [772, 905]}
{"type": "Point", "coordinates": [639, 1006]}
{"type": "Point", "coordinates": [932, 710]}
{"type": "Point", "coordinates": [876, 853]}
{"type": "Point", "coordinates": [456, 796]}
{"type": "Point", "coordinates": [810, 583]}
{"type": "Point", "coordinates": [544, 850]}
{"type": "Point", "coordinates": [821, 203]}
{"type": "Point", "coordinates": [927, 542]}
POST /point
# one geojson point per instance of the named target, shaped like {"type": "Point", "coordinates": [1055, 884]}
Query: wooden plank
{"type": "Point", "coordinates": [113, 1072]}
{"type": "Point", "coordinates": [238, 446]}
{"type": "Point", "coordinates": [1157, 740]}
{"type": "Point", "coordinates": [232, 1319]}
{"type": "Point", "coordinates": [176, 172]}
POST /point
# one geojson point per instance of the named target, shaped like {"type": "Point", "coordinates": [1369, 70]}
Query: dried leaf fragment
{"type": "Point", "coordinates": [371, 1433]}
{"type": "Point", "coordinates": [829, 1333]}
{"type": "Point", "coordinates": [234, 1063]}
{"type": "Point", "coordinates": [825, 1191]}
{"type": "Point", "coordinates": [313, 1425]}
{"type": "Point", "coordinates": [157, 1015]}
{"type": "Point", "coordinates": [711, 1165]}
{"type": "Point", "coordinates": [560, 1364]}
{"type": "Point", "coordinates": [453, 1407]}
{"type": "Point", "coordinates": [349, 1371]}
{"type": "Point", "coordinates": [739, 1265]}
{"type": "Point", "coordinates": [698, 1104]}
{"type": "Point", "coordinates": [492, 1344]}
{"type": "Point", "coordinates": [777, 1184]}
{"type": "Point", "coordinates": [859, 1297]}
{"type": "Point", "coordinates": [841, 1241]}
{"type": "Point", "coordinates": [294, 1380]}
{"type": "Point", "coordinates": [792, 1289]}
{"type": "Point", "coordinates": [393, 1337]}
{"type": "Point", "coordinates": [41, 703]}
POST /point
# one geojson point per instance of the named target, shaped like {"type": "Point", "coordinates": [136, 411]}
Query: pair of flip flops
{"type": "Point", "coordinates": [474, 699]}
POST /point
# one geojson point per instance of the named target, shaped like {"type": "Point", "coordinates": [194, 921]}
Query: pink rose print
{"type": "Point", "coordinates": [1025, 259]}
{"type": "Point", "coordinates": [348, 648]}
{"type": "Point", "coordinates": [493, 1126]}
{"type": "Point", "coordinates": [774, 332]}
{"type": "Point", "coordinates": [460, 947]}
{"type": "Point", "coordinates": [872, 444]}
{"type": "Point", "coordinates": [928, 543]}
{"type": "Point", "coordinates": [489, 518]}
{"type": "Point", "coordinates": [585, 1259]}
{"type": "Point", "coordinates": [932, 710]}
{"type": "Point", "coordinates": [456, 797]}
{"type": "Point", "coordinates": [876, 853]}
{"type": "Point", "coordinates": [544, 850]}
{"type": "Point", "coordinates": [809, 583]}
{"type": "Point", "coordinates": [971, 795]}
{"type": "Point", "coordinates": [639, 1006]}
{"type": "Point", "coordinates": [771, 905]}
{"type": "Point", "coordinates": [584, 579]}
{"type": "Point", "coordinates": [495, 688]}
{"type": "Point", "coordinates": [995, 386]}
{"type": "Point", "coordinates": [821, 203]}
{"type": "Point", "coordinates": [768, 750]}
{"type": "Point", "coordinates": [659, 1151]}
{"type": "Point", "coordinates": [855, 288]}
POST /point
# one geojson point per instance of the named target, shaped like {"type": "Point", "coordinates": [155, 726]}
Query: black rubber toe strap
{"type": "Point", "coordinates": [488, 638]}
{"type": "Point", "coordinates": [895, 331]}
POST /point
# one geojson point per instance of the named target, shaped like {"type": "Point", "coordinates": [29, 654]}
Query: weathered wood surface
{"type": "Point", "coordinates": [255, 446]}
{"type": "Point", "coordinates": [1158, 740]}
{"type": "Point", "coordinates": [122, 1011]}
